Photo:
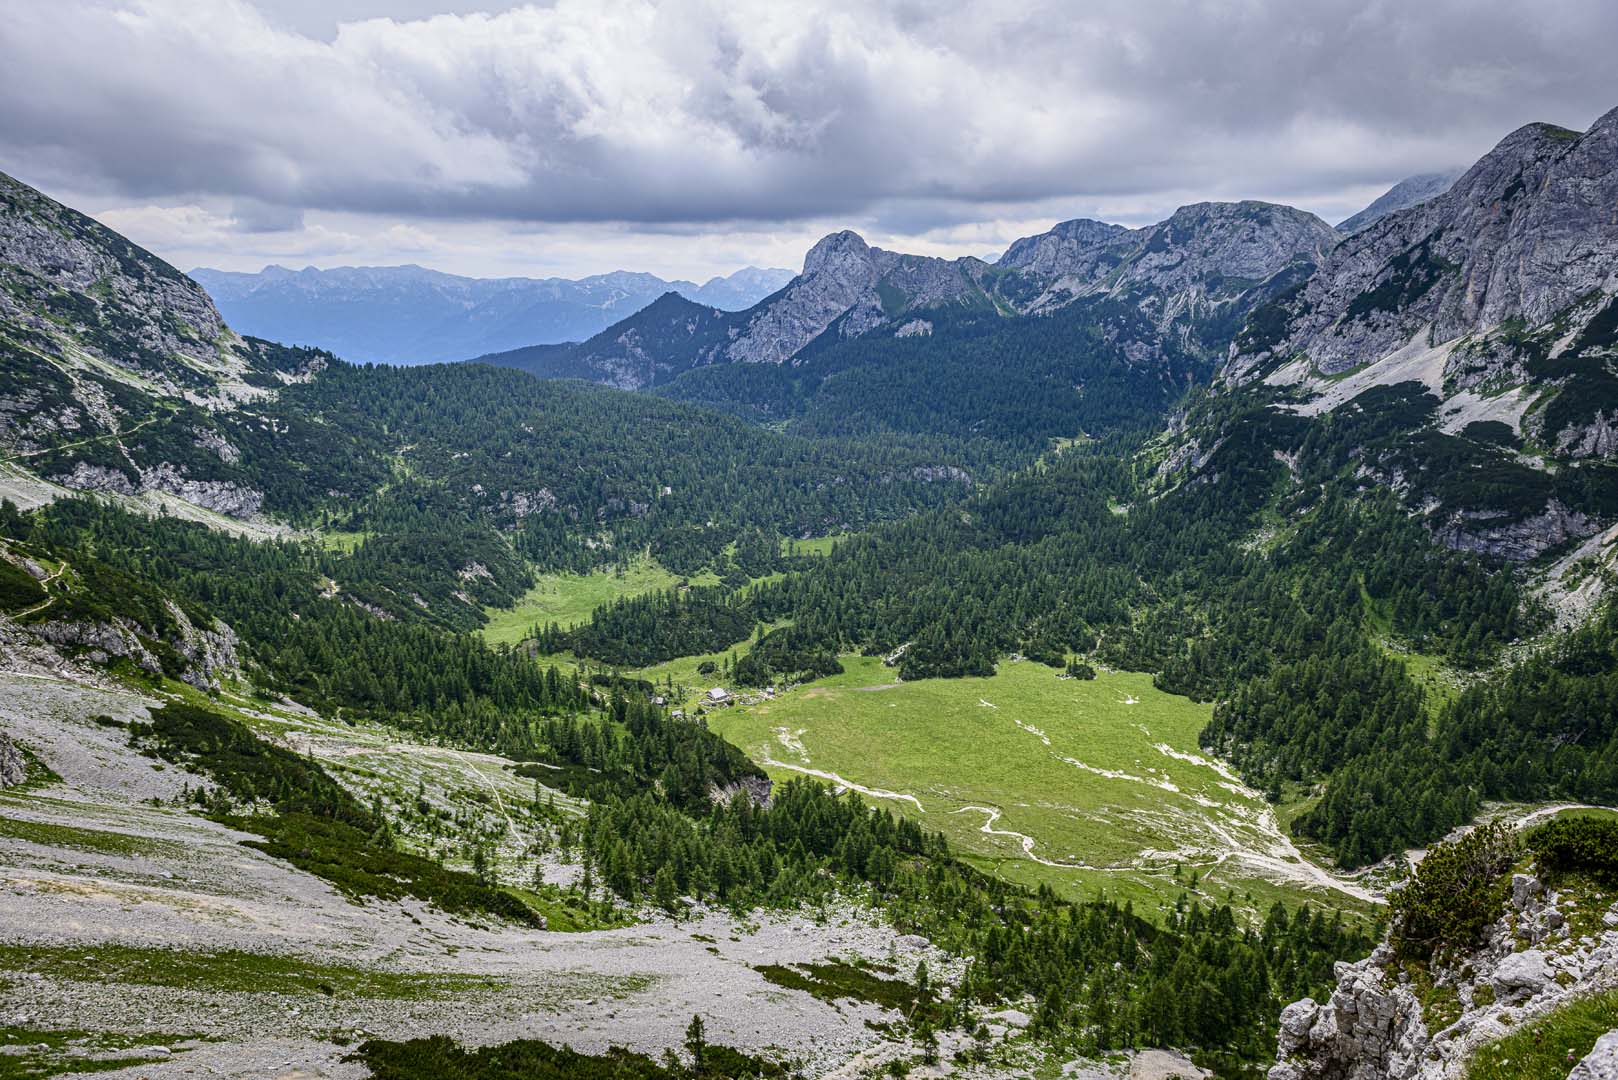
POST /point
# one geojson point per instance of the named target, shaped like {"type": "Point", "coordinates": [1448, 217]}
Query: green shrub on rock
{"type": "Point", "coordinates": [1582, 845]}
{"type": "Point", "coordinates": [1456, 891]}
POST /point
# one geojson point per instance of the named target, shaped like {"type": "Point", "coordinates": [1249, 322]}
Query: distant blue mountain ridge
{"type": "Point", "coordinates": [413, 315]}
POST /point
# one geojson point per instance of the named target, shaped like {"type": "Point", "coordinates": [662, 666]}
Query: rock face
{"type": "Point", "coordinates": [129, 308]}
{"type": "Point", "coordinates": [1601, 1063]}
{"type": "Point", "coordinates": [1523, 234]}
{"type": "Point", "coordinates": [1369, 1029]}
{"type": "Point", "coordinates": [1208, 263]}
{"type": "Point", "coordinates": [1077, 249]}
{"type": "Point", "coordinates": [13, 769]}
{"type": "Point", "coordinates": [1516, 539]}
{"type": "Point", "coordinates": [1192, 276]}
{"type": "Point", "coordinates": [1372, 1027]}
{"type": "Point", "coordinates": [133, 382]}
{"type": "Point", "coordinates": [1482, 323]}
{"type": "Point", "coordinates": [1408, 192]}
{"type": "Point", "coordinates": [857, 286]}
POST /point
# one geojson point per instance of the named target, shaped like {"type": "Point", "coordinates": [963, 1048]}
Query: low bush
{"type": "Point", "coordinates": [1455, 892]}
{"type": "Point", "coordinates": [529, 1059]}
{"type": "Point", "coordinates": [1587, 846]}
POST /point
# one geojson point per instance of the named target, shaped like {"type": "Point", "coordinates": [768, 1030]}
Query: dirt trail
{"type": "Point", "coordinates": [1413, 856]}
{"type": "Point", "coordinates": [1028, 842]}
{"type": "Point", "coordinates": [875, 793]}
{"type": "Point", "coordinates": [87, 442]}
{"type": "Point", "coordinates": [50, 597]}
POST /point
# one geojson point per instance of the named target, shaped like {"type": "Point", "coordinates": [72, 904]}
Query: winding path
{"type": "Point", "coordinates": [1028, 842]}
{"type": "Point", "coordinates": [821, 774]}
{"type": "Point", "coordinates": [50, 597]}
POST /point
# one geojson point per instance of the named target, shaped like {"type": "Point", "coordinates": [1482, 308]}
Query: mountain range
{"type": "Point", "coordinates": [1328, 516]}
{"type": "Point", "coordinates": [1185, 278]}
{"type": "Point", "coordinates": [413, 315]}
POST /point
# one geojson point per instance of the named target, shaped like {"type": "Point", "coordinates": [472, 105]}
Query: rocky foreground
{"type": "Point", "coordinates": [1381, 1023]}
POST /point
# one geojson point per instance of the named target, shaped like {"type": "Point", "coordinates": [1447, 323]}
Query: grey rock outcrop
{"type": "Point", "coordinates": [220, 496]}
{"type": "Point", "coordinates": [1369, 1029]}
{"type": "Point", "coordinates": [1078, 249]}
{"type": "Point", "coordinates": [1373, 1026]}
{"type": "Point", "coordinates": [137, 312]}
{"type": "Point", "coordinates": [1601, 1063]}
{"type": "Point", "coordinates": [209, 654]}
{"type": "Point", "coordinates": [126, 346]}
{"type": "Point", "coordinates": [858, 287]}
{"type": "Point", "coordinates": [1524, 233]}
{"type": "Point", "coordinates": [1203, 267]}
{"type": "Point", "coordinates": [1509, 537]}
{"type": "Point", "coordinates": [1522, 974]}
{"type": "Point", "coordinates": [13, 769]}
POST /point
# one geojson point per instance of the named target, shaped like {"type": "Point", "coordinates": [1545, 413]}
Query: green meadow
{"type": "Point", "coordinates": [1089, 786]}
{"type": "Point", "coordinates": [568, 599]}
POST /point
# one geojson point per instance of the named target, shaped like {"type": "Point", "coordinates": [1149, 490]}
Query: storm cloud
{"type": "Point", "coordinates": [691, 113]}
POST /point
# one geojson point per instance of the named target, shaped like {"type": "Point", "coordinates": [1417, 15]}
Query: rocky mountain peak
{"type": "Point", "coordinates": [1244, 240]}
{"type": "Point", "coordinates": [842, 254]}
{"type": "Point", "coordinates": [1068, 246]}
{"type": "Point", "coordinates": [1408, 192]}
{"type": "Point", "coordinates": [1524, 233]}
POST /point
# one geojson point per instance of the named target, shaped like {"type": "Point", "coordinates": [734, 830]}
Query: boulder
{"type": "Point", "coordinates": [1525, 972]}
{"type": "Point", "coordinates": [13, 770]}
{"type": "Point", "coordinates": [1600, 1063]}
{"type": "Point", "coordinates": [1524, 887]}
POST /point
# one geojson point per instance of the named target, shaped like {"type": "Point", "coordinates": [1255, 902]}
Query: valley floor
{"type": "Point", "coordinates": [1088, 785]}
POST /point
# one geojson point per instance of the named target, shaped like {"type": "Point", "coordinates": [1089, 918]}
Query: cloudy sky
{"type": "Point", "coordinates": [689, 137]}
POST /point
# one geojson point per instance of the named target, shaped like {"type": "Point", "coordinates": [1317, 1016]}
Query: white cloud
{"type": "Point", "coordinates": [907, 118]}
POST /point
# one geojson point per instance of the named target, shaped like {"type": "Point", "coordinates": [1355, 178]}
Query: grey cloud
{"type": "Point", "coordinates": [689, 111]}
{"type": "Point", "coordinates": [252, 216]}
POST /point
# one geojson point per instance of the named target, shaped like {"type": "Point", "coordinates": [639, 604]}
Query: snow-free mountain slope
{"type": "Point", "coordinates": [1406, 193]}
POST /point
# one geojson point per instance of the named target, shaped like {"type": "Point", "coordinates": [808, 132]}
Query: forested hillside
{"type": "Point", "coordinates": [1382, 571]}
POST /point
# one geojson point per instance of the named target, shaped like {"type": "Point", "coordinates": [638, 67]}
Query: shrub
{"type": "Point", "coordinates": [1581, 845]}
{"type": "Point", "coordinates": [1455, 892]}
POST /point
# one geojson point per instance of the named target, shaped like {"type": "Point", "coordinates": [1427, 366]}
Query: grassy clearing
{"type": "Point", "coordinates": [95, 841]}
{"type": "Point", "coordinates": [686, 678]}
{"type": "Point", "coordinates": [29, 1053]}
{"type": "Point", "coordinates": [815, 545]}
{"type": "Point", "coordinates": [568, 599]}
{"type": "Point", "coordinates": [1438, 680]}
{"type": "Point", "coordinates": [1089, 786]}
{"type": "Point", "coordinates": [1598, 813]}
{"type": "Point", "coordinates": [1540, 1050]}
{"type": "Point", "coordinates": [230, 970]}
{"type": "Point", "coordinates": [570, 913]}
{"type": "Point", "coordinates": [836, 981]}
{"type": "Point", "coordinates": [338, 540]}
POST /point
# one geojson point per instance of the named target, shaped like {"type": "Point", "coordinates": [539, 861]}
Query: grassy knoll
{"type": "Point", "coordinates": [568, 599]}
{"type": "Point", "coordinates": [338, 540]}
{"type": "Point", "coordinates": [28, 1053]}
{"type": "Point", "coordinates": [815, 545]}
{"type": "Point", "coordinates": [1540, 1050]}
{"type": "Point", "coordinates": [95, 841]}
{"type": "Point", "coordinates": [230, 970]}
{"type": "Point", "coordinates": [1101, 781]}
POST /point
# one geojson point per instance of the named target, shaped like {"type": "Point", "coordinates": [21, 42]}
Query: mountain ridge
{"type": "Point", "coordinates": [1401, 196]}
{"type": "Point", "coordinates": [1192, 276]}
{"type": "Point", "coordinates": [414, 314]}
